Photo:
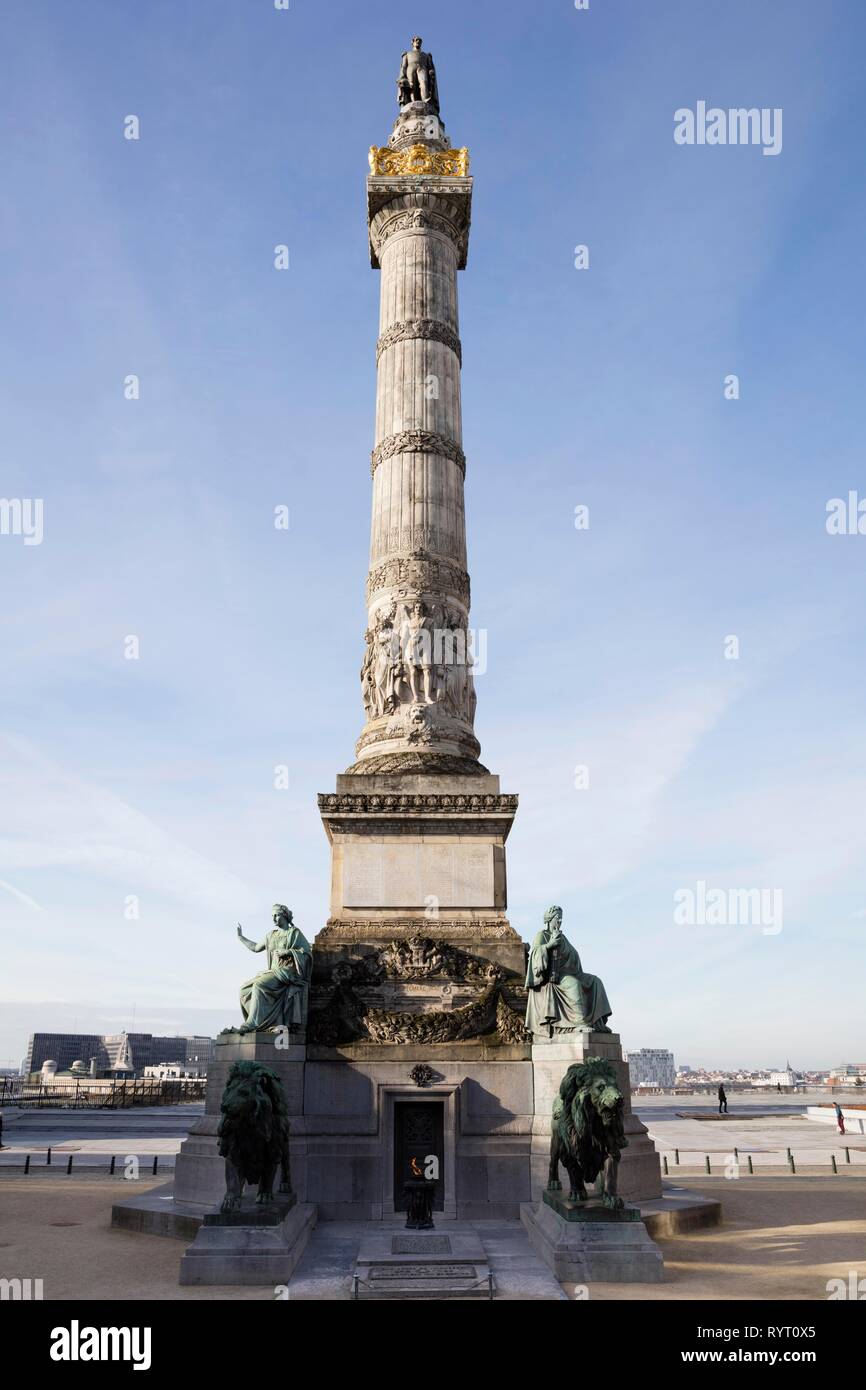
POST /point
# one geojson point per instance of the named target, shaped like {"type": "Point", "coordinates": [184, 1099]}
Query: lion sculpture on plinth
{"type": "Point", "coordinates": [587, 1134]}
{"type": "Point", "coordinates": [254, 1133]}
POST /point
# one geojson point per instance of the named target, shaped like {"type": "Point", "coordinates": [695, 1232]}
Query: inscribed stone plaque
{"type": "Point", "coordinates": [421, 1245]}
{"type": "Point", "coordinates": [424, 1272]}
{"type": "Point", "coordinates": [407, 874]}
{"type": "Point", "coordinates": [362, 874]}
{"type": "Point", "coordinates": [473, 867]}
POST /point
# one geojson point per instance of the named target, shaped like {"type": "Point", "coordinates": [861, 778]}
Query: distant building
{"type": "Point", "coordinates": [121, 1054]}
{"type": "Point", "coordinates": [786, 1079]}
{"type": "Point", "coordinates": [847, 1074]}
{"type": "Point", "coordinates": [652, 1066]}
{"type": "Point", "coordinates": [174, 1071]}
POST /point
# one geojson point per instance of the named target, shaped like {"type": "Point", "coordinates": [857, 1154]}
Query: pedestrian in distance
{"type": "Point", "coordinates": [723, 1101]}
{"type": "Point", "coordinates": [840, 1118]}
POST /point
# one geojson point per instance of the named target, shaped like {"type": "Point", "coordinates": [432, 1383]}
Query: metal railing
{"type": "Point", "coordinates": [378, 1288]}
{"type": "Point", "coordinates": [85, 1095]}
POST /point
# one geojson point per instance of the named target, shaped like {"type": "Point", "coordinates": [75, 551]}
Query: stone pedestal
{"type": "Point", "coordinates": [429, 1265]}
{"type": "Point", "coordinates": [601, 1250]}
{"type": "Point", "coordinates": [413, 853]}
{"type": "Point", "coordinates": [226, 1250]}
{"type": "Point", "coordinates": [639, 1169]}
{"type": "Point", "coordinates": [199, 1175]}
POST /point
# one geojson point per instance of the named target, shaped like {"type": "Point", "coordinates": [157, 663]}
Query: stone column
{"type": "Point", "coordinates": [417, 682]}
{"type": "Point", "coordinates": [417, 826]}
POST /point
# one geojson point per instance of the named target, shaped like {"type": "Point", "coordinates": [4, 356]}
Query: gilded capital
{"type": "Point", "coordinates": [419, 159]}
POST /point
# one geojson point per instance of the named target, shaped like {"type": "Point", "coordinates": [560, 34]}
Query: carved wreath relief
{"type": "Point", "coordinates": [346, 1012]}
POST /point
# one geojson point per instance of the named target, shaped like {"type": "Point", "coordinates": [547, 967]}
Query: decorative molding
{"type": "Point", "coordinates": [419, 159]}
{"type": "Point", "coordinates": [418, 442]}
{"type": "Point", "coordinates": [421, 219]}
{"type": "Point", "coordinates": [414, 828]}
{"type": "Point", "coordinates": [431, 329]}
{"type": "Point", "coordinates": [441, 763]}
{"type": "Point", "coordinates": [434, 204]}
{"type": "Point", "coordinates": [368, 930]}
{"type": "Point", "coordinates": [420, 573]}
{"type": "Point", "coordinates": [400, 804]}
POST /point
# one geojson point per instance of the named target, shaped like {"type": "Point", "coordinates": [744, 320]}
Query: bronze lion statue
{"type": "Point", "coordinates": [587, 1134]}
{"type": "Point", "coordinates": [254, 1133]}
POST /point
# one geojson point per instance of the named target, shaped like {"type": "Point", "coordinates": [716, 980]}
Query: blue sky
{"type": "Point", "coordinates": [602, 387]}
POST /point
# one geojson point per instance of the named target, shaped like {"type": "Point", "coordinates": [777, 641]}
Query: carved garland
{"type": "Point", "coordinates": [419, 958]}
{"type": "Point", "coordinates": [422, 573]}
{"type": "Point", "coordinates": [347, 1019]}
{"type": "Point", "coordinates": [431, 329]}
{"type": "Point", "coordinates": [418, 442]}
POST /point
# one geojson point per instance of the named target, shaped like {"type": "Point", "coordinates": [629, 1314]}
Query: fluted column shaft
{"type": "Point", "coordinates": [420, 707]}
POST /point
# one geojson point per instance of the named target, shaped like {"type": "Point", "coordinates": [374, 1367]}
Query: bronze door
{"type": "Point", "coordinates": [418, 1135]}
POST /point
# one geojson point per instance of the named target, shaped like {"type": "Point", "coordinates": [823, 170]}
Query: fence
{"type": "Point", "coordinates": [739, 1162]}
{"type": "Point", "coordinates": [101, 1095]}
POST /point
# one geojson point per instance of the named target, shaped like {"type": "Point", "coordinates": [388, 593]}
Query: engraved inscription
{"type": "Point", "coordinates": [400, 874]}
{"type": "Point", "coordinates": [421, 1245]}
{"type": "Point", "coordinates": [424, 1272]}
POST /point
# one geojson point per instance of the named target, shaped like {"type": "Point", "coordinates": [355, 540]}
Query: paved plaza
{"type": "Point", "coordinates": [781, 1237]}
{"type": "Point", "coordinates": [761, 1126]}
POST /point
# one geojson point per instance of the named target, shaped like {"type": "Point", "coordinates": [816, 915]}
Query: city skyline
{"type": "Point", "coordinates": [148, 784]}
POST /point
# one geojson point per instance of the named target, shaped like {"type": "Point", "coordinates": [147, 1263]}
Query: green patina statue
{"type": "Point", "coordinates": [587, 1134]}
{"type": "Point", "coordinates": [562, 997]}
{"type": "Point", "coordinates": [278, 996]}
{"type": "Point", "coordinates": [254, 1133]}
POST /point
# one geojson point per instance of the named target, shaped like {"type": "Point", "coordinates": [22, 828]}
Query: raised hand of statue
{"type": "Point", "coordinates": [251, 945]}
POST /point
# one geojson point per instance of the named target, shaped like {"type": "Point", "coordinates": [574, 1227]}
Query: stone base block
{"type": "Point", "coordinates": [679, 1210]}
{"type": "Point", "coordinates": [584, 1252]}
{"type": "Point", "coordinates": [222, 1254]}
{"type": "Point", "coordinates": [158, 1213]}
{"type": "Point", "coordinates": [449, 1263]}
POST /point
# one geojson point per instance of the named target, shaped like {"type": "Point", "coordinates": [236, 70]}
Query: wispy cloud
{"type": "Point", "coordinates": [56, 819]}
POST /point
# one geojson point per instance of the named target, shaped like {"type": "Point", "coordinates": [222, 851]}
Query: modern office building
{"type": "Point", "coordinates": [116, 1052]}
{"type": "Point", "coordinates": [652, 1066]}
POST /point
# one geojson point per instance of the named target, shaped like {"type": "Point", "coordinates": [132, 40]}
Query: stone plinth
{"type": "Point", "coordinates": [199, 1175]}
{"type": "Point", "coordinates": [639, 1168]}
{"type": "Point", "coordinates": [418, 854]}
{"type": "Point", "coordinates": [451, 1263]}
{"type": "Point", "coordinates": [586, 1252]}
{"type": "Point", "coordinates": [592, 1210]}
{"type": "Point", "coordinates": [227, 1252]}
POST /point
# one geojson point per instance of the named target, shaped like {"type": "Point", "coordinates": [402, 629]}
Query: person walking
{"type": "Point", "coordinates": [840, 1118]}
{"type": "Point", "coordinates": [723, 1100]}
